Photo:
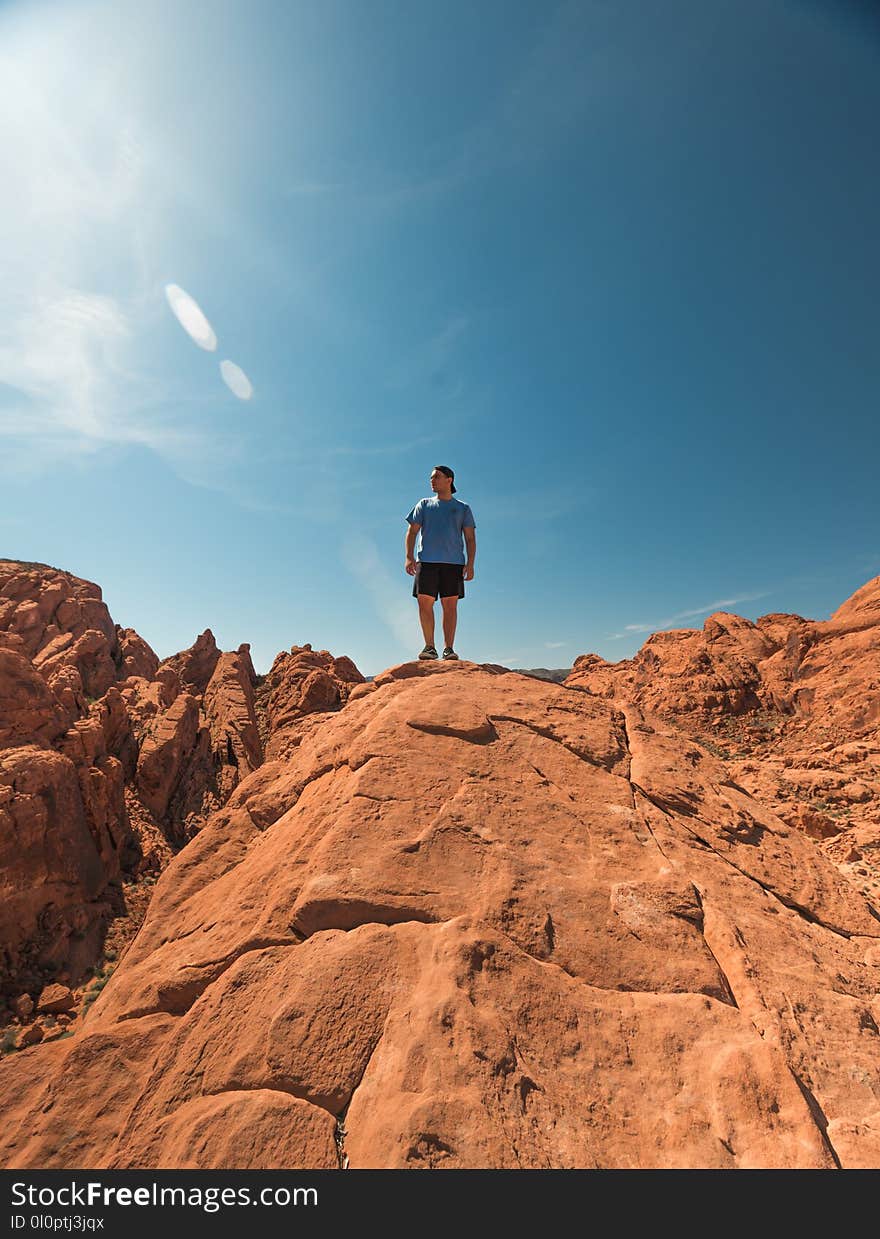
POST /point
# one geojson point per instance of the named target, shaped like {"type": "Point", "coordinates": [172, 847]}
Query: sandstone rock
{"type": "Point", "coordinates": [362, 690]}
{"type": "Point", "coordinates": [23, 1006]}
{"type": "Point", "coordinates": [54, 610]}
{"type": "Point", "coordinates": [54, 1033]}
{"type": "Point", "coordinates": [477, 920]}
{"type": "Point", "coordinates": [863, 608]}
{"type": "Point", "coordinates": [816, 825]}
{"type": "Point", "coordinates": [199, 751]}
{"type": "Point", "coordinates": [66, 686]}
{"type": "Point", "coordinates": [63, 831]}
{"type": "Point", "coordinates": [793, 704]}
{"type": "Point", "coordinates": [11, 640]}
{"type": "Point", "coordinates": [90, 654]}
{"type": "Point", "coordinates": [112, 716]}
{"type": "Point", "coordinates": [28, 711]}
{"type": "Point", "coordinates": [165, 750]}
{"type": "Point", "coordinates": [195, 666]}
{"type": "Point", "coordinates": [32, 1035]}
{"type": "Point", "coordinates": [144, 699]}
{"type": "Point", "coordinates": [102, 779]}
{"type": "Point", "coordinates": [135, 656]}
{"type": "Point", "coordinates": [229, 705]}
{"type": "Point", "coordinates": [151, 764]}
{"type": "Point", "coordinates": [152, 837]}
{"type": "Point", "coordinates": [52, 875]}
{"type": "Point", "coordinates": [122, 1060]}
{"type": "Point", "coordinates": [55, 1000]}
{"type": "Point", "coordinates": [299, 683]}
{"type": "Point", "coordinates": [682, 672]}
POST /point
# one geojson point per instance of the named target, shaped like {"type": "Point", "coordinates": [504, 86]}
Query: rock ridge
{"type": "Point", "coordinates": [110, 761]}
{"type": "Point", "coordinates": [791, 705]}
{"type": "Point", "coordinates": [478, 919]}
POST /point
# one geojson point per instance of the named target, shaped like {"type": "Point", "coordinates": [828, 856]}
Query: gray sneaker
{"type": "Point", "coordinates": [449, 654]}
{"type": "Point", "coordinates": [428, 652]}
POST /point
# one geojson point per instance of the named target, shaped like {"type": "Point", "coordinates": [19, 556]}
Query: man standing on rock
{"type": "Point", "coordinates": [440, 568]}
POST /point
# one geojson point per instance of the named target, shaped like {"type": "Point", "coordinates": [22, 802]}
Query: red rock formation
{"type": "Point", "coordinates": [144, 699]}
{"type": "Point", "coordinates": [230, 707]}
{"type": "Point", "coordinates": [65, 759]}
{"type": "Point", "coordinates": [793, 705]}
{"type": "Point", "coordinates": [135, 656]}
{"type": "Point", "coordinates": [28, 709]}
{"type": "Point", "coordinates": [65, 838]}
{"type": "Point", "coordinates": [62, 621]}
{"type": "Point", "coordinates": [195, 666]}
{"type": "Point", "coordinates": [299, 683]}
{"type": "Point", "coordinates": [477, 920]}
{"type": "Point", "coordinates": [62, 850]}
{"type": "Point", "coordinates": [53, 868]}
{"type": "Point", "coordinates": [195, 749]}
{"type": "Point", "coordinates": [167, 745]}
{"type": "Point", "coordinates": [154, 749]}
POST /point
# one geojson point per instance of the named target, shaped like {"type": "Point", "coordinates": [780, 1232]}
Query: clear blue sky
{"type": "Point", "coordinates": [618, 264]}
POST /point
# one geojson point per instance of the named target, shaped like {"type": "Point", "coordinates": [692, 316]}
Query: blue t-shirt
{"type": "Point", "coordinates": [442, 520]}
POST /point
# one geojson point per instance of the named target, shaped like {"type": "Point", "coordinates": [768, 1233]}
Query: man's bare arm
{"type": "Point", "coordinates": [411, 534]}
{"type": "Point", "coordinates": [470, 539]}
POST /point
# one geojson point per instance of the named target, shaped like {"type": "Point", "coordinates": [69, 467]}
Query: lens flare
{"type": "Point", "coordinates": [188, 313]}
{"type": "Point", "coordinates": [236, 380]}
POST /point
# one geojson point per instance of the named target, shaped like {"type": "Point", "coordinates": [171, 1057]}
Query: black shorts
{"type": "Point", "coordinates": [445, 580]}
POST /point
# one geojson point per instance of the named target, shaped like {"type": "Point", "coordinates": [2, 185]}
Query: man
{"type": "Point", "coordinates": [440, 568]}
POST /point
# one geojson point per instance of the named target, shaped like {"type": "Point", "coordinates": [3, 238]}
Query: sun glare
{"type": "Point", "coordinates": [236, 380]}
{"type": "Point", "coordinates": [189, 314]}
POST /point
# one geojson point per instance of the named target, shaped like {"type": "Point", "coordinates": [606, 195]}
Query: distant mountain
{"type": "Point", "coordinates": [557, 675]}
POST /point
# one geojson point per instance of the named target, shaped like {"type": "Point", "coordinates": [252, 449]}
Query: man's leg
{"type": "Point", "coordinates": [450, 618]}
{"type": "Point", "coordinates": [426, 617]}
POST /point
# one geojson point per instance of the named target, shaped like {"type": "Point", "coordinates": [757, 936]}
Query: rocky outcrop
{"type": "Point", "coordinates": [195, 748]}
{"type": "Point", "coordinates": [146, 699]}
{"type": "Point", "coordinates": [792, 705]}
{"type": "Point", "coordinates": [168, 745]}
{"type": "Point", "coordinates": [477, 920]}
{"type": "Point", "coordinates": [300, 682]}
{"type": "Point", "coordinates": [135, 656]}
{"type": "Point", "coordinates": [65, 837]}
{"type": "Point", "coordinates": [63, 623]}
{"type": "Point", "coordinates": [109, 762]}
{"type": "Point", "coordinates": [230, 707]}
{"type": "Point", "coordinates": [53, 864]}
{"type": "Point", "coordinates": [195, 666]}
{"type": "Point", "coordinates": [28, 709]}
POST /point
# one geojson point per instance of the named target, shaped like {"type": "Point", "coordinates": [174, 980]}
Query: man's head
{"type": "Point", "coordinates": [442, 480]}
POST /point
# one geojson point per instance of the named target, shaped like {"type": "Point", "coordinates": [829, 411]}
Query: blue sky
{"type": "Point", "coordinates": [617, 264]}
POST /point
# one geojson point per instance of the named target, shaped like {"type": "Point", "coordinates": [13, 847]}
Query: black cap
{"type": "Point", "coordinates": [448, 473]}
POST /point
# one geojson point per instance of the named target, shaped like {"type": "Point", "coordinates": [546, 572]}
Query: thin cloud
{"type": "Point", "coordinates": [360, 555]}
{"type": "Point", "coordinates": [722, 604]}
{"type": "Point", "coordinates": [76, 379]}
{"type": "Point", "coordinates": [555, 645]}
{"type": "Point", "coordinates": [72, 390]}
{"type": "Point", "coordinates": [63, 361]}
